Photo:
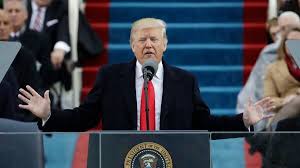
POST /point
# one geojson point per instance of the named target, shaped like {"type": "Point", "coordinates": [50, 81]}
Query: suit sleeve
{"type": "Point", "coordinates": [82, 118]}
{"type": "Point", "coordinates": [63, 30]}
{"type": "Point", "coordinates": [8, 102]}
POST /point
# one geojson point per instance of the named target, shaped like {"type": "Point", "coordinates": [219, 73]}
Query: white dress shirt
{"type": "Point", "coordinates": [35, 8]}
{"type": "Point", "coordinates": [157, 82]}
{"type": "Point", "coordinates": [58, 45]}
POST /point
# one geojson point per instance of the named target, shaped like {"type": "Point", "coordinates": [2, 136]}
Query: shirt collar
{"type": "Point", "coordinates": [15, 34]}
{"type": "Point", "coordinates": [158, 75]}
{"type": "Point", "coordinates": [18, 33]}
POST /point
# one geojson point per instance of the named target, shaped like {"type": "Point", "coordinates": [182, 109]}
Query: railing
{"type": "Point", "coordinates": [272, 9]}
{"type": "Point", "coordinates": [73, 10]}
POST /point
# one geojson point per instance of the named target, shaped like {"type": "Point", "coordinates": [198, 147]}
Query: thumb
{"type": "Point", "coordinates": [46, 95]}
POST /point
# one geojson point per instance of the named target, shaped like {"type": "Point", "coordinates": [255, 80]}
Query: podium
{"type": "Point", "coordinates": [21, 145]}
{"type": "Point", "coordinates": [150, 149]}
{"type": "Point", "coordinates": [147, 149]}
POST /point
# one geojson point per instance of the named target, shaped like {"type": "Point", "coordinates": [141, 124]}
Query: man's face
{"type": "Point", "coordinates": [148, 43]}
{"type": "Point", "coordinates": [17, 14]}
{"type": "Point", "coordinates": [5, 26]}
{"type": "Point", "coordinates": [43, 3]}
{"type": "Point", "coordinates": [274, 30]}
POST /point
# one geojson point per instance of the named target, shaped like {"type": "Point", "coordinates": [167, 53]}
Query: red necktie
{"type": "Point", "coordinates": [151, 99]}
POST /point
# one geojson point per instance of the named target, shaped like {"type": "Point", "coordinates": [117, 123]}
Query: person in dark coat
{"type": "Point", "coordinates": [117, 96]}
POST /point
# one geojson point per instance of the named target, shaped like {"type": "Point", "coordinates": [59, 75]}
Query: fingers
{"type": "Point", "coordinates": [269, 108]}
{"type": "Point", "coordinates": [57, 57]}
{"type": "Point", "coordinates": [263, 101]}
{"type": "Point", "coordinates": [24, 99]}
{"type": "Point", "coordinates": [56, 64]}
{"type": "Point", "coordinates": [268, 116]}
{"type": "Point", "coordinates": [25, 93]}
{"type": "Point", "coordinates": [32, 91]}
{"type": "Point", "coordinates": [26, 107]}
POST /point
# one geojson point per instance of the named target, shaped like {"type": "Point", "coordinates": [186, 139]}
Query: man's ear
{"type": "Point", "coordinates": [165, 45]}
{"type": "Point", "coordinates": [132, 47]}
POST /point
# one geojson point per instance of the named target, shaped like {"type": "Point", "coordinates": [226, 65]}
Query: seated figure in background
{"type": "Point", "coordinates": [282, 80]}
{"type": "Point", "coordinates": [253, 88]}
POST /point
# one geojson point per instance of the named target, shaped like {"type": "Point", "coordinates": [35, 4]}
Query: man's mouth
{"type": "Point", "coordinates": [149, 53]}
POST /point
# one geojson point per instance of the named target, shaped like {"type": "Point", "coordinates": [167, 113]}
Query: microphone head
{"type": "Point", "coordinates": [149, 68]}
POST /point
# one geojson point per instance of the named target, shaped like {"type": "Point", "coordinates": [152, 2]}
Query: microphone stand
{"type": "Point", "coordinates": [146, 80]}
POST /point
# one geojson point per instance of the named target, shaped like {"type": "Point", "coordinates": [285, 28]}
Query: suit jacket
{"type": "Point", "coordinates": [55, 23]}
{"type": "Point", "coordinates": [113, 100]}
{"type": "Point", "coordinates": [26, 73]}
{"type": "Point", "coordinates": [25, 69]}
{"type": "Point", "coordinates": [38, 44]}
{"type": "Point", "coordinates": [8, 103]}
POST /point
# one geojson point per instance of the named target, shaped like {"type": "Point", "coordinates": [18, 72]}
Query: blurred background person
{"type": "Point", "coordinates": [289, 5]}
{"type": "Point", "coordinates": [33, 41]}
{"type": "Point", "coordinates": [273, 30]}
{"type": "Point", "coordinates": [282, 80]}
{"type": "Point", "coordinates": [24, 65]}
{"type": "Point", "coordinates": [253, 88]}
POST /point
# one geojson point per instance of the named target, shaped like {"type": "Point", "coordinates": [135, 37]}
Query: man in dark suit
{"type": "Point", "coordinates": [24, 64]}
{"type": "Point", "coordinates": [50, 17]}
{"type": "Point", "coordinates": [36, 43]}
{"type": "Point", "coordinates": [8, 103]}
{"type": "Point", "coordinates": [118, 100]}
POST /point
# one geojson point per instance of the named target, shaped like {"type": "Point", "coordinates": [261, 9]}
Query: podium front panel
{"type": "Point", "coordinates": [155, 149]}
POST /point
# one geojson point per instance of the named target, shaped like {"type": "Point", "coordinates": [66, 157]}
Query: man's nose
{"type": "Point", "coordinates": [148, 43]}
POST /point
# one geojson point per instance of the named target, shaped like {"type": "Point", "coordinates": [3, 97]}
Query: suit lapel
{"type": "Point", "coordinates": [47, 18]}
{"type": "Point", "coordinates": [128, 81]}
{"type": "Point", "coordinates": [29, 10]}
{"type": "Point", "coordinates": [168, 98]}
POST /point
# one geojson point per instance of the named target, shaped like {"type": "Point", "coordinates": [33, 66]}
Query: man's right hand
{"type": "Point", "coordinates": [38, 105]}
{"type": "Point", "coordinates": [57, 58]}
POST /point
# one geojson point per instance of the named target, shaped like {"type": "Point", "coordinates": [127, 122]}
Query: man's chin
{"type": "Point", "coordinates": [149, 56]}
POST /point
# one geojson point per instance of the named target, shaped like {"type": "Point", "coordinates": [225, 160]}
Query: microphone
{"type": "Point", "coordinates": [149, 69]}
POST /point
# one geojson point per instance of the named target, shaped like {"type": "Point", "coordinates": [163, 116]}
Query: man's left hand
{"type": "Point", "coordinates": [254, 112]}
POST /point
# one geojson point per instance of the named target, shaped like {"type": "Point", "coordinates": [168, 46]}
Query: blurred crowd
{"type": "Point", "coordinates": [276, 74]}
{"type": "Point", "coordinates": [42, 27]}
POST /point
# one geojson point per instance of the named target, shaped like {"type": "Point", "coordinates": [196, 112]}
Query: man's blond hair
{"type": "Point", "coordinates": [149, 23]}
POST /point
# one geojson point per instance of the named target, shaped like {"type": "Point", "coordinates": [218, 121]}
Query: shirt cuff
{"type": "Point", "coordinates": [63, 46]}
{"type": "Point", "coordinates": [44, 121]}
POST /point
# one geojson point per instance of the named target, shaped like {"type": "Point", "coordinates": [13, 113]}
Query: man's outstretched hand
{"type": "Point", "coordinates": [38, 105]}
{"type": "Point", "coordinates": [254, 112]}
